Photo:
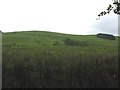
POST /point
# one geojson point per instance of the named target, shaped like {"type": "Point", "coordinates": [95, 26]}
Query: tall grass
{"type": "Point", "coordinates": [59, 66]}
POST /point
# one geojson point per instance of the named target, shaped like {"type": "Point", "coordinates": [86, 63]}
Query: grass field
{"type": "Point", "coordinates": [37, 59]}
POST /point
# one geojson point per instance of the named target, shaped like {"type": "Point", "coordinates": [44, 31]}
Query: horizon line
{"type": "Point", "coordinates": [55, 32]}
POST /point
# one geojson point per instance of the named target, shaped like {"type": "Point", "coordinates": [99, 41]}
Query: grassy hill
{"type": "Point", "coordinates": [47, 59]}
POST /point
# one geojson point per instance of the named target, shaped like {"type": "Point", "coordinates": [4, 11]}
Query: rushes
{"type": "Point", "coordinates": [71, 69]}
{"type": "Point", "coordinates": [41, 60]}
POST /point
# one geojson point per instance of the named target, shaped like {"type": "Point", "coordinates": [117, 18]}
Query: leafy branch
{"type": "Point", "coordinates": [115, 9]}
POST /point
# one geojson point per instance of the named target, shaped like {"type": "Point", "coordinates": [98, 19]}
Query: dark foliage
{"type": "Point", "coordinates": [70, 42]}
{"type": "Point", "coordinates": [56, 43]}
{"type": "Point", "coordinates": [106, 36]}
{"type": "Point", "coordinates": [116, 10]}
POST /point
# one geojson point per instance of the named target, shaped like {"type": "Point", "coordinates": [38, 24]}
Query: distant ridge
{"type": "Point", "coordinates": [48, 32]}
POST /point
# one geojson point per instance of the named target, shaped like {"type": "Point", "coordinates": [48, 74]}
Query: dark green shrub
{"type": "Point", "coordinates": [14, 43]}
{"type": "Point", "coordinates": [56, 43]}
{"type": "Point", "coordinates": [106, 36]}
{"type": "Point", "coordinates": [70, 42]}
{"type": "Point", "coordinates": [14, 32]}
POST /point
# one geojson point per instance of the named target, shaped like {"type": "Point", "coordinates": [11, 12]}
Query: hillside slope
{"type": "Point", "coordinates": [36, 38]}
{"type": "Point", "coordinates": [46, 59]}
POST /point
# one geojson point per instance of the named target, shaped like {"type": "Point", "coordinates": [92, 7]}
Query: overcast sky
{"type": "Point", "coordinates": [64, 16]}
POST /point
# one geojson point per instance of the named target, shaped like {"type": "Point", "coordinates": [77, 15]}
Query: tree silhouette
{"type": "Point", "coordinates": [115, 7]}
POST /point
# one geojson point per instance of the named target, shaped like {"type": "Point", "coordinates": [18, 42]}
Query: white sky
{"type": "Point", "coordinates": [64, 16]}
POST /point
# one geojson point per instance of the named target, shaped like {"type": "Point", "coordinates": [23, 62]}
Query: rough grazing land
{"type": "Point", "coordinates": [44, 59]}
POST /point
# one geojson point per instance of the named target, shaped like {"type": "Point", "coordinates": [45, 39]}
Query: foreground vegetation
{"type": "Point", "coordinates": [43, 59]}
